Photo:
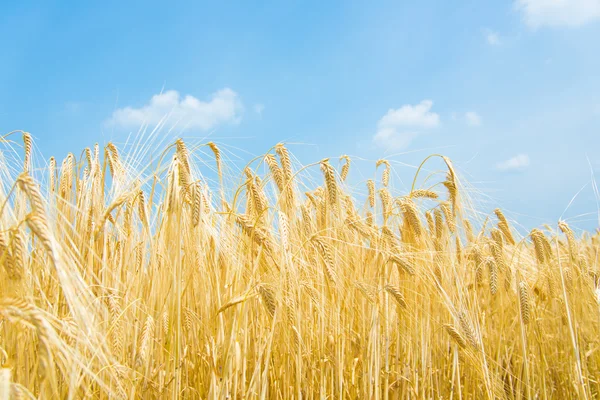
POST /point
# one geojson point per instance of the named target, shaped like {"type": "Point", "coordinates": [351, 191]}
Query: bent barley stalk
{"type": "Point", "coordinates": [173, 278]}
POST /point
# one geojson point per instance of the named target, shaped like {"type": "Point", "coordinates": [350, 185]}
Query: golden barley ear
{"type": "Point", "coordinates": [327, 254]}
{"type": "Point", "coordinates": [423, 194]}
{"type": "Point", "coordinates": [394, 291]}
{"type": "Point", "coordinates": [467, 328]}
{"type": "Point", "coordinates": [217, 154]}
{"type": "Point", "coordinates": [267, 295]}
{"type": "Point", "coordinates": [504, 227]}
{"type": "Point", "coordinates": [235, 301]}
{"type": "Point", "coordinates": [455, 334]}
{"type": "Point", "coordinates": [385, 177]}
{"type": "Point", "coordinates": [367, 290]}
{"type": "Point", "coordinates": [403, 264]}
{"type": "Point", "coordinates": [493, 269]}
{"type": "Point", "coordinates": [386, 203]}
{"type": "Point", "coordinates": [411, 214]}
{"type": "Point", "coordinates": [146, 343]}
{"type": "Point", "coordinates": [285, 160]}
{"type": "Point", "coordinates": [524, 302]}
{"type": "Point", "coordinates": [449, 215]}
{"type": "Point", "coordinates": [345, 168]}
{"type": "Point", "coordinates": [28, 145]}
{"type": "Point", "coordinates": [450, 184]}
{"type": "Point", "coordinates": [538, 238]}
{"type": "Point", "coordinates": [371, 188]}
{"type": "Point", "coordinates": [330, 183]}
{"type": "Point", "coordinates": [27, 185]}
{"type": "Point", "coordinates": [52, 174]}
{"type": "Point", "coordinates": [276, 171]}
{"type": "Point", "coordinates": [571, 241]}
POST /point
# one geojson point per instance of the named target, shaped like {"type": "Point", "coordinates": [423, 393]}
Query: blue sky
{"type": "Point", "coordinates": [510, 90]}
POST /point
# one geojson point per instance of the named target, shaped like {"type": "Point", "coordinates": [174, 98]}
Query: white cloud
{"type": "Point", "coordinates": [398, 127]}
{"type": "Point", "coordinates": [493, 38]}
{"type": "Point", "coordinates": [537, 13]}
{"type": "Point", "coordinates": [224, 106]}
{"type": "Point", "coordinates": [259, 108]}
{"type": "Point", "coordinates": [518, 162]}
{"type": "Point", "coordinates": [472, 118]}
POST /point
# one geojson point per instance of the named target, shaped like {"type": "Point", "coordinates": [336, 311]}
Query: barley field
{"type": "Point", "coordinates": [186, 277]}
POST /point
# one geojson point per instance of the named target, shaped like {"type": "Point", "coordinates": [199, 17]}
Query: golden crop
{"type": "Point", "coordinates": [125, 282]}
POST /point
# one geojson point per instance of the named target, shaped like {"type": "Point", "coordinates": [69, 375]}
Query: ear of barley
{"type": "Point", "coordinates": [538, 244]}
{"type": "Point", "coordinates": [165, 323]}
{"type": "Point", "coordinates": [459, 255]}
{"type": "Point", "coordinates": [467, 328]}
{"type": "Point", "coordinates": [430, 223]}
{"type": "Point", "coordinates": [116, 333]}
{"type": "Point", "coordinates": [450, 184]}
{"type": "Point", "coordinates": [233, 302]}
{"type": "Point", "coordinates": [439, 223]}
{"type": "Point", "coordinates": [386, 203]}
{"type": "Point", "coordinates": [275, 171]}
{"type": "Point", "coordinates": [141, 201]}
{"type": "Point", "coordinates": [367, 290]}
{"type": "Point", "coordinates": [27, 142]}
{"type": "Point", "coordinates": [345, 168]}
{"type": "Point", "coordinates": [52, 173]}
{"type": "Point", "coordinates": [7, 259]}
{"type": "Point", "coordinates": [493, 270]}
{"type": "Point", "coordinates": [112, 157]}
{"type": "Point", "coordinates": [285, 160]}
{"type": "Point", "coordinates": [146, 341]}
{"type": "Point", "coordinates": [117, 202]}
{"type": "Point", "coordinates": [455, 334]}
{"type": "Point", "coordinates": [469, 231]}
{"type": "Point", "coordinates": [184, 165]}
{"type": "Point", "coordinates": [31, 189]}
{"type": "Point", "coordinates": [217, 154]}
{"type": "Point", "coordinates": [88, 157]}
{"type": "Point", "coordinates": [38, 226]}
{"type": "Point", "coordinates": [394, 291]}
{"type": "Point", "coordinates": [267, 295]}
{"type": "Point", "coordinates": [385, 177]}
{"type": "Point", "coordinates": [571, 241]}
{"type": "Point", "coordinates": [423, 194]}
{"type": "Point", "coordinates": [19, 253]}
{"type": "Point", "coordinates": [284, 226]}
{"type": "Point", "coordinates": [504, 227]}
{"type": "Point", "coordinates": [196, 203]}
{"type": "Point", "coordinates": [330, 183]}
{"type": "Point", "coordinates": [403, 264]}
{"type": "Point", "coordinates": [411, 215]}
{"type": "Point", "coordinates": [371, 187]}
{"type": "Point", "coordinates": [524, 302]}
{"type": "Point", "coordinates": [449, 215]}
{"type": "Point", "coordinates": [139, 256]}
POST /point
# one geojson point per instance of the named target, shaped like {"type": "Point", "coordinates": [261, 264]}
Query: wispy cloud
{"type": "Point", "coordinates": [516, 163]}
{"type": "Point", "coordinates": [537, 13]}
{"type": "Point", "coordinates": [398, 127]}
{"type": "Point", "coordinates": [472, 118]}
{"type": "Point", "coordinates": [224, 106]}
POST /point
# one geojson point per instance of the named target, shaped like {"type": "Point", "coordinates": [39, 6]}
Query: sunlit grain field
{"type": "Point", "coordinates": [125, 280]}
